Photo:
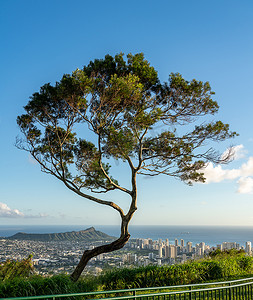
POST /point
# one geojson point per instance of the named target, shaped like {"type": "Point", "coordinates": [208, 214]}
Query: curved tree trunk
{"type": "Point", "coordinates": [115, 245]}
{"type": "Point", "coordinates": [88, 254]}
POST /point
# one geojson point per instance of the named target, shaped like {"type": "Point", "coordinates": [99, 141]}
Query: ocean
{"type": "Point", "coordinates": [211, 235]}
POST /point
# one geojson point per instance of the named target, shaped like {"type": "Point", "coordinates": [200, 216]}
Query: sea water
{"type": "Point", "coordinates": [211, 235]}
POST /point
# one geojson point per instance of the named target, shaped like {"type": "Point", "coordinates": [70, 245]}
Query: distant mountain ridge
{"type": "Point", "coordinates": [87, 235]}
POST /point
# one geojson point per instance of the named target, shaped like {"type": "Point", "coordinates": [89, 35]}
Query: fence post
{"type": "Point", "coordinates": [230, 291]}
{"type": "Point", "coordinates": [134, 294]}
{"type": "Point", "coordinates": [190, 293]}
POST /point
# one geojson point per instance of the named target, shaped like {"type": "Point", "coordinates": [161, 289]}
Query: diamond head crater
{"type": "Point", "coordinates": [87, 235]}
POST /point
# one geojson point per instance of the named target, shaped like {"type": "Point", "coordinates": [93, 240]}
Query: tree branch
{"type": "Point", "coordinates": [104, 172]}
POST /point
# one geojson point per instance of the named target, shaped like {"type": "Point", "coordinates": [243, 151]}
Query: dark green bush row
{"type": "Point", "coordinates": [38, 285]}
{"type": "Point", "coordinates": [219, 267]}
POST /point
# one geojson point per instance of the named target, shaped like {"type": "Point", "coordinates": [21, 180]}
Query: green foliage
{"type": "Point", "coordinates": [219, 268]}
{"type": "Point", "coordinates": [12, 269]}
{"type": "Point", "coordinates": [38, 285]}
{"type": "Point", "coordinates": [209, 269]}
{"type": "Point", "coordinates": [121, 102]}
{"type": "Point", "coordinates": [226, 253]}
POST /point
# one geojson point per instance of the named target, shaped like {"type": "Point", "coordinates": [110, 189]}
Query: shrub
{"type": "Point", "coordinates": [12, 269]}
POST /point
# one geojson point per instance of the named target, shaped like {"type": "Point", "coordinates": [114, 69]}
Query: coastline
{"type": "Point", "coordinates": [211, 235]}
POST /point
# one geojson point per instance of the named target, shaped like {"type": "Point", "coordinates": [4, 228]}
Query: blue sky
{"type": "Point", "coordinates": [206, 40]}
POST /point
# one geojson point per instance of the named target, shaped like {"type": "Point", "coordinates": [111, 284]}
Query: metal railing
{"type": "Point", "coordinates": [240, 289]}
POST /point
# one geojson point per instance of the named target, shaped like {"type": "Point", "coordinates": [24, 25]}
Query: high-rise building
{"type": "Point", "coordinates": [202, 246]}
{"type": "Point", "coordinates": [138, 242]}
{"type": "Point", "coordinates": [229, 245]}
{"type": "Point", "coordinates": [248, 248]}
{"type": "Point", "coordinates": [176, 242]}
{"type": "Point", "coordinates": [182, 242]}
{"type": "Point", "coordinates": [167, 242]}
{"type": "Point", "coordinates": [160, 251]}
{"type": "Point", "coordinates": [172, 251]}
{"type": "Point", "coordinates": [189, 247]}
{"type": "Point", "coordinates": [199, 251]}
{"type": "Point", "coordinates": [145, 243]}
{"type": "Point", "coordinates": [167, 251]}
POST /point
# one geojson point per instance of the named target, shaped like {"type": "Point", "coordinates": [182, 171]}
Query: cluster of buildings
{"type": "Point", "coordinates": [62, 257]}
{"type": "Point", "coordinates": [179, 251]}
{"type": "Point", "coordinates": [48, 257]}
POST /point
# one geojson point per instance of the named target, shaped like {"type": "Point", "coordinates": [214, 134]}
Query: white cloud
{"type": "Point", "coordinates": [217, 173]}
{"type": "Point", "coordinates": [247, 168]}
{"type": "Point", "coordinates": [6, 212]}
{"type": "Point", "coordinates": [238, 152]}
{"type": "Point", "coordinates": [41, 215]}
{"type": "Point", "coordinates": [245, 185]}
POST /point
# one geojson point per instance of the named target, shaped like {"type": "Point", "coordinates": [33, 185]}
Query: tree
{"type": "Point", "coordinates": [134, 119]}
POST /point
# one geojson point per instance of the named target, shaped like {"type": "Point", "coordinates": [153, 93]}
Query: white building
{"type": "Point", "coordinates": [248, 248]}
{"type": "Point", "coordinates": [229, 245]}
{"type": "Point", "coordinates": [189, 247]}
{"type": "Point", "coordinates": [202, 246]}
{"type": "Point", "coordinates": [172, 251]}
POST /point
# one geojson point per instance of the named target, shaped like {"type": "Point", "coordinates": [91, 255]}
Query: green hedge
{"type": "Point", "coordinates": [219, 267]}
{"type": "Point", "coordinates": [38, 285]}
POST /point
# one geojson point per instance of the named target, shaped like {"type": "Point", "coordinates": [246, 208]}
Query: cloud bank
{"type": "Point", "coordinates": [244, 173]}
{"type": "Point", "coordinates": [7, 212]}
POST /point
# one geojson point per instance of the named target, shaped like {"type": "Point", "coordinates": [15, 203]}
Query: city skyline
{"type": "Point", "coordinates": [58, 256]}
{"type": "Point", "coordinates": [208, 42]}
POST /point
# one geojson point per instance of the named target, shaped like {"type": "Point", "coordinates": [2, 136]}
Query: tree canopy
{"type": "Point", "coordinates": [129, 116]}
